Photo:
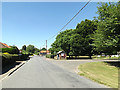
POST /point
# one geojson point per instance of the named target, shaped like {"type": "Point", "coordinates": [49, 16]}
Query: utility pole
{"type": "Point", "coordinates": [46, 46]}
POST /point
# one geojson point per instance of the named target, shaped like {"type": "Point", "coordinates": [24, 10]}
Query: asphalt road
{"type": "Point", "coordinates": [71, 65]}
{"type": "Point", "coordinates": [41, 73]}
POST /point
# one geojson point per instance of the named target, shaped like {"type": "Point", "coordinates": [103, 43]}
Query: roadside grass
{"type": "Point", "coordinates": [100, 72]}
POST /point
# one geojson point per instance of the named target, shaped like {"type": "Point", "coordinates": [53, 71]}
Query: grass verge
{"type": "Point", "coordinates": [100, 72]}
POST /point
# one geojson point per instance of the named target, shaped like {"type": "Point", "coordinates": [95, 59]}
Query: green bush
{"type": "Point", "coordinates": [49, 56]}
{"type": "Point", "coordinates": [23, 57]}
{"type": "Point", "coordinates": [36, 53]}
{"type": "Point", "coordinates": [10, 50]}
{"type": "Point", "coordinates": [8, 59]}
{"type": "Point", "coordinates": [24, 52]}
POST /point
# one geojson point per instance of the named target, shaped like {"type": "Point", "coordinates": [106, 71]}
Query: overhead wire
{"type": "Point", "coordinates": [70, 20]}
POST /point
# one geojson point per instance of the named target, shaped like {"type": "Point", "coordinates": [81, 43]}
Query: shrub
{"type": "Point", "coordinates": [6, 53]}
{"type": "Point", "coordinates": [24, 52]}
{"type": "Point", "coordinates": [119, 57]}
{"type": "Point", "coordinates": [24, 56]}
{"type": "Point", "coordinates": [36, 53]}
{"type": "Point", "coordinates": [10, 50]}
{"type": "Point", "coordinates": [49, 56]}
{"type": "Point", "coordinates": [8, 59]}
{"type": "Point", "coordinates": [15, 50]}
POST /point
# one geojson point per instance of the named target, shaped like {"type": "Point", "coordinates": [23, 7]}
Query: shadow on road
{"type": "Point", "coordinates": [7, 68]}
{"type": "Point", "coordinates": [113, 63]}
{"type": "Point", "coordinates": [15, 69]}
{"type": "Point", "coordinates": [11, 66]}
{"type": "Point", "coordinates": [26, 59]}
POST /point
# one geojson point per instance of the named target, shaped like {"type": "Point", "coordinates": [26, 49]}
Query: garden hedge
{"type": "Point", "coordinates": [9, 50]}
{"type": "Point", "coordinates": [23, 57]}
{"type": "Point", "coordinates": [8, 59]}
{"type": "Point", "coordinates": [49, 56]}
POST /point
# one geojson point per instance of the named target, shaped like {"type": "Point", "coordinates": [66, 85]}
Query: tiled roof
{"type": "Point", "coordinates": [44, 51]}
{"type": "Point", "coordinates": [4, 45]}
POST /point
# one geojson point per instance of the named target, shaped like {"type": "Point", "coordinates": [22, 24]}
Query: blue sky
{"type": "Point", "coordinates": [25, 23]}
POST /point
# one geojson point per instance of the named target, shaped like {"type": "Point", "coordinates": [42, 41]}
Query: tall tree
{"type": "Point", "coordinates": [63, 41]}
{"type": "Point", "coordinates": [107, 36]}
{"type": "Point", "coordinates": [84, 31]}
{"type": "Point", "coordinates": [30, 48]}
{"type": "Point", "coordinates": [76, 41]}
{"type": "Point", "coordinates": [43, 49]}
{"type": "Point", "coordinates": [24, 47]}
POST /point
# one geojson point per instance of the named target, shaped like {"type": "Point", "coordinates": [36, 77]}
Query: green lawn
{"type": "Point", "coordinates": [100, 72]}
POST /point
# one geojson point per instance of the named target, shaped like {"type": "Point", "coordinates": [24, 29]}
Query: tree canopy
{"type": "Point", "coordinates": [76, 41]}
{"type": "Point", "coordinates": [30, 48]}
{"type": "Point", "coordinates": [101, 35]}
{"type": "Point", "coordinates": [42, 49]}
{"type": "Point", "coordinates": [24, 47]}
{"type": "Point", "coordinates": [107, 35]}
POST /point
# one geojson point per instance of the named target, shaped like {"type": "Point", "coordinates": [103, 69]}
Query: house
{"type": "Point", "coordinates": [44, 52]}
{"type": "Point", "coordinates": [61, 55]}
{"type": "Point", "coordinates": [3, 45]}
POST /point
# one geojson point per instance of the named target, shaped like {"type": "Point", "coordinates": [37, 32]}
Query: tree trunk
{"type": "Point", "coordinates": [76, 57]}
{"type": "Point", "coordinates": [90, 57]}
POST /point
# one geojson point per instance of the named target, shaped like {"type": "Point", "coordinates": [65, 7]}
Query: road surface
{"type": "Point", "coordinates": [41, 73]}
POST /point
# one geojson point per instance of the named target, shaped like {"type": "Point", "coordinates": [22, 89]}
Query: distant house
{"type": "Point", "coordinates": [44, 52]}
{"type": "Point", "coordinates": [3, 45]}
{"type": "Point", "coordinates": [61, 55]}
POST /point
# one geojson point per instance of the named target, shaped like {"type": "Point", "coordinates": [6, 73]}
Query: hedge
{"type": "Point", "coordinates": [9, 50]}
{"type": "Point", "coordinates": [8, 59]}
{"type": "Point", "coordinates": [49, 56]}
{"type": "Point", "coordinates": [23, 56]}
